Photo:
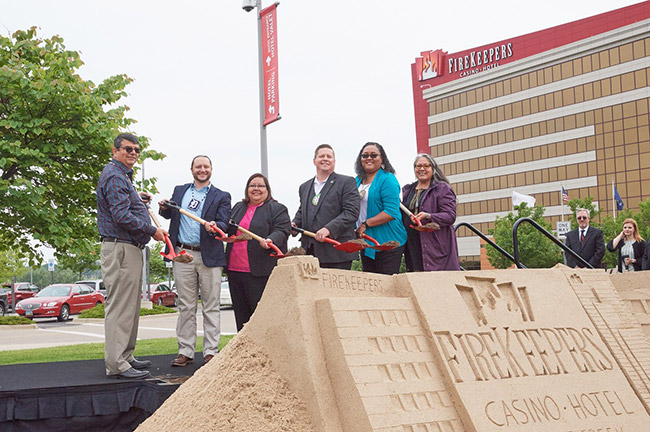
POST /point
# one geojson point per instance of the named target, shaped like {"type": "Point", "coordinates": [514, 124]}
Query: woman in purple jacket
{"type": "Point", "coordinates": [430, 199]}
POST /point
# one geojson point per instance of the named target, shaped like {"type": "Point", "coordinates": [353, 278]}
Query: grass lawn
{"type": "Point", "coordinates": [145, 347]}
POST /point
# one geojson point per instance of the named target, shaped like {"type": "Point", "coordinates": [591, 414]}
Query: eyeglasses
{"type": "Point", "coordinates": [582, 218]}
{"type": "Point", "coordinates": [257, 186]}
{"type": "Point", "coordinates": [369, 155]}
{"type": "Point", "coordinates": [130, 149]}
{"type": "Point", "coordinates": [424, 166]}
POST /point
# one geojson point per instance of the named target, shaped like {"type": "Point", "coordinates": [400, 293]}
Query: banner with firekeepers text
{"type": "Point", "coordinates": [269, 41]}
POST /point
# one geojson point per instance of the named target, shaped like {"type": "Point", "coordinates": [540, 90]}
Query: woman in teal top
{"type": "Point", "coordinates": [379, 215]}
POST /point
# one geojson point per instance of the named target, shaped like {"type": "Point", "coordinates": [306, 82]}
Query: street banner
{"type": "Point", "coordinates": [269, 42]}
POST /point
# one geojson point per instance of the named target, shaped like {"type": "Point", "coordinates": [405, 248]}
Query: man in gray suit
{"type": "Point", "coordinates": [329, 206]}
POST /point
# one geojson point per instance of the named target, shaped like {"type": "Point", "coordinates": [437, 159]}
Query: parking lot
{"type": "Point", "coordinates": [76, 331]}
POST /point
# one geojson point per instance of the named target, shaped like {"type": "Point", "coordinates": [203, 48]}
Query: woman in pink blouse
{"type": "Point", "coordinates": [250, 263]}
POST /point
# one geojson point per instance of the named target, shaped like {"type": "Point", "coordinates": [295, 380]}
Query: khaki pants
{"type": "Point", "coordinates": [192, 278]}
{"type": "Point", "coordinates": [122, 273]}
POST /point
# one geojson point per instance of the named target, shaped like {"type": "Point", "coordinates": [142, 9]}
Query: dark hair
{"type": "Point", "coordinates": [198, 156]}
{"type": "Point", "coordinates": [322, 146]}
{"type": "Point", "coordinates": [438, 176]}
{"type": "Point", "coordinates": [386, 166]}
{"type": "Point", "coordinates": [266, 182]}
{"type": "Point", "coordinates": [117, 143]}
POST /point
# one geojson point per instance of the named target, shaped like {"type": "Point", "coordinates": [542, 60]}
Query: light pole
{"type": "Point", "coordinates": [248, 6]}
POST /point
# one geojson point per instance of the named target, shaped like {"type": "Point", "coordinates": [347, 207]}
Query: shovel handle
{"type": "Point", "coordinates": [167, 240]}
{"type": "Point", "coordinates": [313, 235]}
{"type": "Point", "coordinates": [277, 250]}
{"type": "Point", "coordinates": [410, 214]}
{"type": "Point", "coordinates": [220, 234]}
{"type": "Point", "coordinates": [367, 237]}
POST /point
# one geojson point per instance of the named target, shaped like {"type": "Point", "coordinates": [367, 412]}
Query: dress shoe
{"type": "Point", "coordinates": [207, 358]}
{"type": "Point", "coordinates": [133, 374]}
{"type": "Point", "coordinates": [140, 364]}
{"type": "Point", "coordinates": [182, 360]}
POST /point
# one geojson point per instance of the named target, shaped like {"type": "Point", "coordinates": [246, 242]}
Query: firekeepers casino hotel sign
{"type": "Point", "coordinates": [432, 64]}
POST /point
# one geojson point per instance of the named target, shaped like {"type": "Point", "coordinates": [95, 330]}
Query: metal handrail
{"type": "Point", "coordinates": [515, 242]}
{"type": "Point", "coordinates": [487, 240]}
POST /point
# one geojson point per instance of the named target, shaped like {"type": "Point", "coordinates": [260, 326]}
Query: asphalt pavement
{"type": "Point", "coordinates": [50, 333]}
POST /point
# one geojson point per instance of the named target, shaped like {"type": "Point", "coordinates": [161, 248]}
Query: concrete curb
{"type": "Point", "coordinates": [101, 320]}
{"type": "Point", "coordinates": [18, 327]}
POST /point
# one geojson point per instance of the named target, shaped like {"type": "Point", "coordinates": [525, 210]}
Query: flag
{"type": "Point", "coordinates": [565, 196]}
{"type": "Point", "coordinates": [518, 198]}
{"type": "Point", "coordinates": [619, 201]}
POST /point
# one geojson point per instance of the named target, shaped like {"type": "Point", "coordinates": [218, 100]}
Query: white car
{"type": "Point", "coordinates": [224, 298]}
{"type": "Point", "coordinates": [226, 301]}
{"type": "Point", "coordinates": [95, 284]}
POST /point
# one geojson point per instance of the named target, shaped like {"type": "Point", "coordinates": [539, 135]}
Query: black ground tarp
{"type": "Point", "coordinates": [77, 396]}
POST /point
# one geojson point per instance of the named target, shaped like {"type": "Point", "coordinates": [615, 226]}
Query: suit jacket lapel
{"type": "Point", "coordinates": [208, 200]}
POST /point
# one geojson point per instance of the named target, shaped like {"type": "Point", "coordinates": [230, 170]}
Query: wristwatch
{"type": "Point", "coordinates": [365, 224]}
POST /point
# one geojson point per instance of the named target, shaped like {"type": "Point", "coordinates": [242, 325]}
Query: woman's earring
{"type": "Point", "coordinates": [383, 166]}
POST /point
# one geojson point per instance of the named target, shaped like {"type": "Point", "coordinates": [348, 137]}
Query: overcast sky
{"type": "Point", "coordinates": [344, 73]}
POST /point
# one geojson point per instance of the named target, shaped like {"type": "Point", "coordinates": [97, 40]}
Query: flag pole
{"type": "Point", "coordinates": [562, 201]}
{"type": "Point", "coordinates": [613, 199]}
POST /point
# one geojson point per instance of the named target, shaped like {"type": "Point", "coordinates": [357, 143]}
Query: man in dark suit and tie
{"type": "Point", "coordinates": [203, 274]}
{"type": "Point", "coordinates": [586, 241]}
{"type": "Point", "coordinates": [329, 206]}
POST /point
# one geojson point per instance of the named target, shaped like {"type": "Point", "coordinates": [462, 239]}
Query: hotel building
{"type": "Point", "coordinates": [563, 107]}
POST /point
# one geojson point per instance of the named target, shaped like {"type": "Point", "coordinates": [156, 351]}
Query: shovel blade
{"type": "Point", "coordinates": [350, 247]}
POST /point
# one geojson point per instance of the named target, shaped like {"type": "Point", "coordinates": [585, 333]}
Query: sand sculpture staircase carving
{"type": "Point", "coordinates": [445, 352]}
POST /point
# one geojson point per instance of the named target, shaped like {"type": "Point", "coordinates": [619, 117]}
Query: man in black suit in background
{"type": "Point", "coordinates": [329, 206]}
{"type": "Point", "coordinates": [586, 241]}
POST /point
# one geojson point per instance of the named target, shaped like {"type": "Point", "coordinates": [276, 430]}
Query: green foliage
{"type": "Point", "coordinates": [643, 219]}
{"type": "Point", "coordinates": [10, 265]}
{"type": "Point", "coordinates": [158, 271]}
{"type": "Point", "coordinates": [42, 276]}
{"type": "Point", "coordinates": [356, 265]}
{"type": "Point", "coordinates": [81, 261]}
{"type": "Point", "coordinates": [56, 132]}
{"type": "Point", "coordinates": [14, 320]}
{"type": "Point", "coordinates": [98, 311]}
{"type": "Point", "coordinates": [91, 351]}
{"type": "Point", "coordinates": [535, 250]}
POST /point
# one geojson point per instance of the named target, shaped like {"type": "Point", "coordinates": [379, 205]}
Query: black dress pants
{"type": "Point", "coordinates": [245, 291]}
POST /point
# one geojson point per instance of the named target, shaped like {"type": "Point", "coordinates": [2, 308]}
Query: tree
{"type": "Point", "coordinates": [158, 271]}
{"type": "Point", "coordinates": [81, 261]}
{"type": "Point", "coordinates": [42, 276]}
{"type": "Point", "coordinates": [56, 131]}
{"type": "Point", "coordinates": [643, 219]}
{"type": "Point", "coordinates": [535, 250]}
{"type": "Point", "coordinates": [10, 266]}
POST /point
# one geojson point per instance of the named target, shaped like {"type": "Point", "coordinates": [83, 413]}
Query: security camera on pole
{"type": "Point", "coordinates": [267, 57]}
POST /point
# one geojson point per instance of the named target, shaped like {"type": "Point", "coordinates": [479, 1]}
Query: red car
{"type": "Point", "coordinates": [59, 300]}
{"type": "Point", "coordinates": [162, 295]}
{"type": "Point", "coordinates": [23, 290]}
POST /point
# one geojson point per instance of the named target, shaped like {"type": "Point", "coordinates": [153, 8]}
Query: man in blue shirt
{"type": "Point", "coordinates": [203, 274]}
{"type": "Point", "coordinates": [124, 229]}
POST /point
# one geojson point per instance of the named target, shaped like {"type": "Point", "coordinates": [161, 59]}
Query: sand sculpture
{"type": "Point", "coordinates": [511, 350]}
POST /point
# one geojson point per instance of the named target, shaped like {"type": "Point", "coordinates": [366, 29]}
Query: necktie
{"type": "Point", "coordinates": [582, 236]}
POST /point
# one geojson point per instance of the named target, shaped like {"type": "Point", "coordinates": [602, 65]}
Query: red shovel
{"type": "Point", "coordinates": [182, 257]}
{"type": "Point", "coordinates": [222, 236]}
{"type": "Point", "coordinates": [431, 226]}
{"type": "Point", "coordinates": [349, 246]}
{"type": "Point", "coordinates": [278, 253]}
{"type": "Point", "coordinates": [389, 245]}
